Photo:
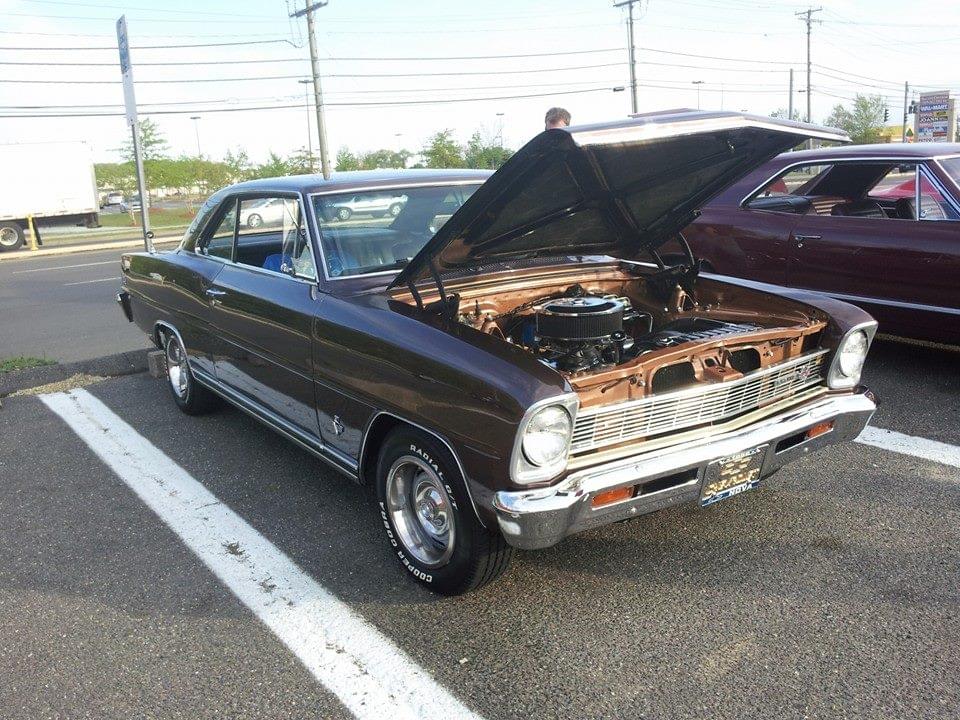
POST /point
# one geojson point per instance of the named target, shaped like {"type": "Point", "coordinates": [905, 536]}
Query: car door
{"type": "Point", "coordinates": [880, 253]}
{"type": "Point", "coordinates": [263, 305]}
{"type": "Point", "coordinates": [745, 232]}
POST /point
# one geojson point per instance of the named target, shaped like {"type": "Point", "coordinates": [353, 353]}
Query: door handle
{"type": "Point", "coordinates": [801, 239]}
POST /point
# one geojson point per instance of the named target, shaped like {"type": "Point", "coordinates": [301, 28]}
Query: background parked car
{"type": "Point", "coordinates": [131, 204]}
{"type": "Point", "coordinates": [386, 205]}
{"type": "Point", "coordinates": [112, 199]}
{"type": "Point", "coordinates": [876, 225]}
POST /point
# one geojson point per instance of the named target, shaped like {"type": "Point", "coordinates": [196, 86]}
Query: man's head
{"type": "Point", "coordinates": [556, 117]}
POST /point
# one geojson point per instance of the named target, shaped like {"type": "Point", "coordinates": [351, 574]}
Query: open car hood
{"type": "Point", "coordinates": [608, 189]}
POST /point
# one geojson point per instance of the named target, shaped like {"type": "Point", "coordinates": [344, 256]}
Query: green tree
{"type": "Point", "coordinates": [239, 164]}
{"type": "Point", "coordinates": [487, 154]}
{"type": "Point", "coordinates": [346, 160]}
{"type": "Point", "coordinates": [302, 162]}
{"type": "Point", "coordinates": [784, 114]}
{"type": "Point", "coordinates": [864, 122]}
{"type": "Point", "coordinates": [442, 151]}
{"type": "Point", "coordinates": [275, 166]}
{"type": "Point", "coordinates": [153, 146]}
{"type": "Point", "coordinates": [384, 159]}
{"type": "Point", "coordinates": [116, 176]}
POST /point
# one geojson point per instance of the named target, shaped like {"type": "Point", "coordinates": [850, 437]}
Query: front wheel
{"type": "Point", "coordinates": [254, 220]}
{"type": "Point", "coordinates": [344, 213]}
{"type": "Point", "coordinates": [11, 236]}
{"type": "Point", "coordinates": [429, 520]}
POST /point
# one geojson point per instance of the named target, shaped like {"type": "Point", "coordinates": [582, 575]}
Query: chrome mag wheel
{"type": "Point", "coordinates": [177, 370]}
{"type": "Point", "coordinates": [421, 511]}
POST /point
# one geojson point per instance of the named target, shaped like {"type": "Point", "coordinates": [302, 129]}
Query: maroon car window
{"type": "Point", "coordinates": [219, 243]}
{"type": "Point", "coordinates": [794, 180]}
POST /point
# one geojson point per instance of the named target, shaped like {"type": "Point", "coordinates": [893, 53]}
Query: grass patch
{"type": "Point", "coordinates": [20, 362]}
{"type": "Point", "coordinates": [158, 216]}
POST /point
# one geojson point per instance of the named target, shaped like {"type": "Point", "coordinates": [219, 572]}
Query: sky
{"type": "Point", "coordinates": [394, 73]}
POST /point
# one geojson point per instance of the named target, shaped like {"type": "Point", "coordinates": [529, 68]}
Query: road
{"type": "Point", "coordinates": [61, 307]}
{"type": "Point", "coordinates": [829, 592]}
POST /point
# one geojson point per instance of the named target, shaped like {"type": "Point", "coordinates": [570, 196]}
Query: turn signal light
{"type": "Point", "coordinates": [819, 429]}
{"type": "Point", "coordinates": [608, 497]}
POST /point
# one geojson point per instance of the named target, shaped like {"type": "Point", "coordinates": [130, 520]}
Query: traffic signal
{"type": "Point", "coordinates": [886, 114]}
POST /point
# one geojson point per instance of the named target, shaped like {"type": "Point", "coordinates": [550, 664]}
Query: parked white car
{"type": "Point", "coordinates": [386, 205]}
{"type": "Point", "coordinates": [268, 211]}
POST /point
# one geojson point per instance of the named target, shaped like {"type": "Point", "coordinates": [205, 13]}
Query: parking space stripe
{"type": "Point", "coordinates": [369, 674]}
{"type": "Point", "coordinates": [932, 450]}
{"type": "Point", "coordinates": [87, 282]}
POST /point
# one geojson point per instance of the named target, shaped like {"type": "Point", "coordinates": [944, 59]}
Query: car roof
{"type": "Point", "coordinates": [361, 179]}
{"type": "Point", "coordinates": [896, 150]}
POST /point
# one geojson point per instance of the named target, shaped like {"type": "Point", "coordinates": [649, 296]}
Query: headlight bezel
{"type": "Point", "coordinates": [522, 470]}
{"type": "Point", "coordinates": [837, 377]}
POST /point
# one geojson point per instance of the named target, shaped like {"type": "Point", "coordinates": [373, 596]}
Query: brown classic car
{"type": "Point", "coordinates": [534, 369]}
{"type": "Point", "coordinates": [875, 225]}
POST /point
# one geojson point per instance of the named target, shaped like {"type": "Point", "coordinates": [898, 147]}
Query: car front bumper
{"type": "Point", "coordinates": [539, 518]}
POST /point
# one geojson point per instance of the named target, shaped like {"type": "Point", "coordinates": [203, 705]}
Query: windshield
{"type": "Point", "coordinates": [952, 166]}
{"type": "Point", "coordinates": [381, 230]}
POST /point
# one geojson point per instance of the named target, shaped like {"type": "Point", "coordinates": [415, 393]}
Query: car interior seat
{"type": "Point", "coordinates": [859, 208]}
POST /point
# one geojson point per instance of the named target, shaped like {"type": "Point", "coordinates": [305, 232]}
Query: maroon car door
{"type": "Point", "coordinates": [750, 240]}
{"type": "Point", "coordinates": [904, 271]}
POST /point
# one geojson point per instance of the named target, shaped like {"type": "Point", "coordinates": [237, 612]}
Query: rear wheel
{"type": "Point", "coordinates": [395, 209]}
{"type": "Point", "coordinates": [11, 236]}
{"type": "Point", "coordinates": [429, 520]}
{"type": "Point", "coordinates": [254, 220]}
{"type": "Point", "coordinates": [192, 398]}
{"type": "Point", "coordinates": [344, 213]}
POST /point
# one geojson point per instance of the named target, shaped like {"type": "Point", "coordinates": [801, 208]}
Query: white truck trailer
{"type": "Point", "coordinates": [54, 182]}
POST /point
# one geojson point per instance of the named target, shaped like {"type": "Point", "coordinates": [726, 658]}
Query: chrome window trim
{"type": "Point", "coordinates": [348, 190]}
{"type": "Point", "coordinates": [935, 181]}
{"type": "Point", "coordinates": [828, 161]}
{"type": "Point", "coordinates": [237, 199]}
{"type": "Point", "coordinates": [443, 441]}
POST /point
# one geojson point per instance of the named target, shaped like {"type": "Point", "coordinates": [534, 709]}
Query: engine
{"type": "Point", "coordinates": [579, 333]}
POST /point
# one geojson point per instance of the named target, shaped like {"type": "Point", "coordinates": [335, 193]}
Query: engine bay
{"type": "Point", "coordinates": [625, 339]}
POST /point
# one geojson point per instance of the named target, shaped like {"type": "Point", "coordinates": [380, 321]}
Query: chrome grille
{"type": "Point", "coordinates": [600, 426]}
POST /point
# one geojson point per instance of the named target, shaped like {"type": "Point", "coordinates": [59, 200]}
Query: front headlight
{"type": "Point", "coordinates": [850, 356]}
{"type": "Point", "coordinates": [547, 436]}
{"type": "Point", "coordinates": [543, 437]}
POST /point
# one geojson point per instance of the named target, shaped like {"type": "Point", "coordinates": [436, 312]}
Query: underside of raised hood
{"type": "Point", "coordinates": [613, 189]}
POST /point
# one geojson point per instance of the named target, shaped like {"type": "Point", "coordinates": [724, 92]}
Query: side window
{"type": "Point", "coordinates": [794, 181]}
{"type": "Point", "coordinates": [271, 235]}
{"type": "Point", "coordinates": [219, 243]}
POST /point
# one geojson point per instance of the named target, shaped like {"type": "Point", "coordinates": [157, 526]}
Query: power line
{"type": "Point", "coordinates": [297, 77]}
{"type": "Point", "coordinates": [144, 47]}
{"type": "Point", "coordinates": [299, 106]}
{"type": "Point", "coordinates": [714, 57]}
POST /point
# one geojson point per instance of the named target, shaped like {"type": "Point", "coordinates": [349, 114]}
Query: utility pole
{"type": "Point", "coordinates": [196, 130]}
{"type": "Point", "coordinates": [807, 17]}
{"type": "Point", "coordinates": [306, 102]}
{"type": "Point", "coordinates": [790, 100]}
{"type": "Point", "coordinates": [317, 90]}
{"type": "Point", "coordinates": [906, 111]}
{"type": "Point", "coordinates": [632, 53]}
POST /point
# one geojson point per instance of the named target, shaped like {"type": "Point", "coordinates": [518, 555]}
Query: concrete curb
{"type": "Point", "coordinates": [127, 363]}
{"type": "Point", "coordinates": [70, 249]}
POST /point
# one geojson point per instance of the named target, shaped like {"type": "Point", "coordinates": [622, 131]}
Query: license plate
{"type": "Point", "coordinates": [732, 475]}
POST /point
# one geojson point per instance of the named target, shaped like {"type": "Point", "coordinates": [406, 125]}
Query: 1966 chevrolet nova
{"type": "Point", "coordinates": [534, 369]}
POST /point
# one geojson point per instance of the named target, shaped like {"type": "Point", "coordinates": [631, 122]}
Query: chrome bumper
{"type": "Point", "coordinates": [539, 518]}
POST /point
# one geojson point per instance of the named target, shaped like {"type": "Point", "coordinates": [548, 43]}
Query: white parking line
{"type": "Point", "coordinates": [370, 675]}
{"type": "Point", "coordinates": [87, 282]}
{"type": "Point", "coordinates": [65, 267]}
{"type": "Point", "coordinates": [933, 450]}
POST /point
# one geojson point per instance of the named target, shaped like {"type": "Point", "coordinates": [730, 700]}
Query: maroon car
{"type": "Point", "coordinates": [506, 360]}
{"type": "Point", "coordinates": [875, 225]}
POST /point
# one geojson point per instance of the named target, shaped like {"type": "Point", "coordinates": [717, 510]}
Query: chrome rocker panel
{"type": "Point", "coordinates": [539, 518]}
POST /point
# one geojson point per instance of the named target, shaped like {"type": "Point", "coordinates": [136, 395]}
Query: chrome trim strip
{"type": "Point", "coordinates": [604, 425]}
{"type": "Point", "coordinates": [456, 458]}
{"type": "Point", "coordinates": [890, 303]}
{"type": "Point", "coordinates": [278, 424]}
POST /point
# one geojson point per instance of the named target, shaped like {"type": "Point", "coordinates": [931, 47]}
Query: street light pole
{"type": "Point", "coordinates": [312, 5]}
{"type": "Point", "coordinates": [698, 83]}
{"type": "Point", "coordinates": [631, 52]}
{"type": "Point", "coordinates": [196, 130]}
{"type": "Point", "coordinates": [306, 101]}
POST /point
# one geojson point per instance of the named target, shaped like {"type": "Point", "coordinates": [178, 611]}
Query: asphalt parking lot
{"type": "Point", "coordinates": [829, 592]}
